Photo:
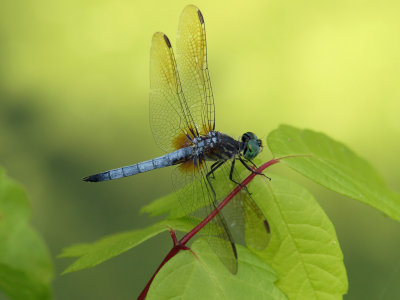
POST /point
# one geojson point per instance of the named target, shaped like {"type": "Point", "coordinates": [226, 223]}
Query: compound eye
{"type": "Point", "coordinates": [252, 149]}
{"type": "Point", "coordinates": [248, 136]}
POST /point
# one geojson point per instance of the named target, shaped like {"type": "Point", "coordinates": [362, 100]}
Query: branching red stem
{"type": "Point", "coordinates": [181, 245]}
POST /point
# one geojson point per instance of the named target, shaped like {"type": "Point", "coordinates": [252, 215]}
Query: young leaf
{"type": "Point", "coordinates": [25, 265]}
{"type": "Point", "coordinates": [303, 249]}
{"type": "Point", "coordinates": [334, 166]}
{"type": "Point", "coordinates": [202, 276]}
{"type": "Point", "coordinates": [166, 204]}
{"type": "Point", "coordinates": [90, 255]}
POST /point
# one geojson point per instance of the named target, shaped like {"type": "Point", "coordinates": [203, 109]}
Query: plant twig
{"type": "Point", "coordinates": [181, 244]}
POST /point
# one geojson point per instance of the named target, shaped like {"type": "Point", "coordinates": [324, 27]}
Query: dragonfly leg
{"type": "Point", "coordinates": [244, 163]}
{"type": "Point", "coordinates": [259, 173]}
{"type": "Point", "coordinates": [233, 180]}
{"type": "Point", "coordinates": [214, 167]}
{"type": "Point", "coordinates": [254, 165]}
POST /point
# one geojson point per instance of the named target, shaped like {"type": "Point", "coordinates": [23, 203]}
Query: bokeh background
{"type": "Point", "coordinates": [74, 85]}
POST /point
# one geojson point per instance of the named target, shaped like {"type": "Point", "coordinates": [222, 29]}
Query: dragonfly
{"type": "Point", "coordinates": [182, 119]}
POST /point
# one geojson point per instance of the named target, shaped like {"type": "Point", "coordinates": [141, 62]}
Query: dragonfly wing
{"type": "Point", "coordinates": [198, 202]}
{"type": "Point", "coordinates": [193, 69]}
{"type": "Point", "coordinates": [257, 231]}
{"type": "Point", "coordinates": [243, 215]}
{"type": "Point", "coordinates": [179, 112]}
{"type": "Point", "coordinates": [169, 115]}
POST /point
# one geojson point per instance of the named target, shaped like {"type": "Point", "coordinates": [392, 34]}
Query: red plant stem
{"type": "Point", "coordinates": [181, 245]}
{"type": "Point", "coordinates": [224, 202]}
{"type": "Point", "coordinates": [170, 255]}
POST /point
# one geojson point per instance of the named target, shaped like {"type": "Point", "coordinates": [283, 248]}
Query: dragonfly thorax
{"type": "Point", "coordinates": [216, 146]}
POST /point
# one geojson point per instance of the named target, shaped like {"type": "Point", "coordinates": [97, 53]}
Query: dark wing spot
{"type": "Point", "coordinates": [200, 17]}
{"type": "Point", "coordinates": [167, 41]}
{"type": "Point", "coordinates": [234, 250]}
{"type": "Point", "coordinates": [266, 225]}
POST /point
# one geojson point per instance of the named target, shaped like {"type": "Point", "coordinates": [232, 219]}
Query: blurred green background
{"type": "Point", "coordinates": [74, 86]}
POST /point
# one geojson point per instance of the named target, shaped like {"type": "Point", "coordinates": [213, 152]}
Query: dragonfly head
{"type": "Point", "coordinates": [251, 145]}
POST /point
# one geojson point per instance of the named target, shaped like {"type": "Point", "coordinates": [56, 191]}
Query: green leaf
{"type": "Point", "coordinates": [90, 255]}
{"type": "Point", "coordinates": [303, 249]}
{"type": "Point", "coordinates": [203, 276]}
{"type": "Point", "coordinates": [167, 204]}
{"type": "Point", "coordinates": [25, 265]}
{"type": "Point", "coordinates": [334, 166]}
{"type": "Point", "coordinates": [19, 284]}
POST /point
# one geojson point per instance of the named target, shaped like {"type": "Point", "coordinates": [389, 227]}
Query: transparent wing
{"type": "Point", "coordinates": [178, 114]}
{"type": "Point", "coordinates": [244, 217]}
{"type": "Point", "coordinates": [198, 202]}
{"type": "Point", "coordinates": [169, 115]}
{"type": "Point", "coordinates": [193, 69]}
{"type": "Point", "coordinates": [241, 215]}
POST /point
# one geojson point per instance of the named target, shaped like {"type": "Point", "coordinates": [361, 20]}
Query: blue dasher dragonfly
{"type": "Point", "coordinates": [182, 119]}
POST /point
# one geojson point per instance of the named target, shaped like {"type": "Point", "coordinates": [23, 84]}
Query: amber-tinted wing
{"type": "Point", "coordinates": [179, 110]}
{"type": "Point", "coordinates": [191, 49]}
{"type": "Point", "coordinates": [170, 117]}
